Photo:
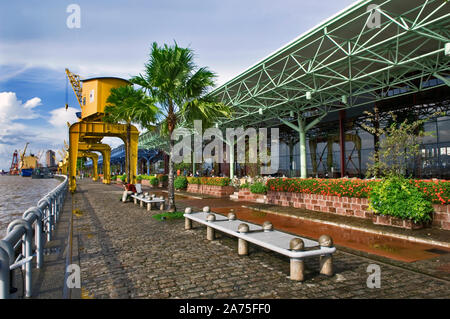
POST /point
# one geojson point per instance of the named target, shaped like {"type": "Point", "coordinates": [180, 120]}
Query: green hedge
{"type": "Point", "coordinates": [258, 188]}
{"type": "Point", "coordinates": [215, 181]}
{"type": "Point", "coordinates": [180, 182]}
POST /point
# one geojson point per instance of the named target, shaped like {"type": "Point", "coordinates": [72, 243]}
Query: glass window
{"type": "Point", "coordinates": [444, 131]}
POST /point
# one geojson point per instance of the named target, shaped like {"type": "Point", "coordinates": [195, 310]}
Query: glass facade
{"type": "Point", "coordinates": [433, 162]}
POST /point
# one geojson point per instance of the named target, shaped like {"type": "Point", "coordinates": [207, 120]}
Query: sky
{"type": "Point", "coordinates": [113, 39]}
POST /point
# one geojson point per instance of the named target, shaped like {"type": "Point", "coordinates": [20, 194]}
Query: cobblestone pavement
{"type": "Point", "coordinates": [124, 253]}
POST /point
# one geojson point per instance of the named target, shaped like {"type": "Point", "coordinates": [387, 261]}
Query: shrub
{"type": "Point", "coordinates": [180, 182]}
{"type": "Point", "coordinates": [215, 181]}
{"type": "Point", "coordinates": [153, 181]}
{"type": "Point", "coordinates": [397, 197]}
{"type": "Point", "coordinates": [123, 178]}
{"type": "Point", "coordinates": [162, 178]}
{"type": "Point", "coordinates": [193, 180]}
{"type": "Point", "coordinates": [139, 179]}
{"type": "Point", "coordinates": [258, 188]}
{"type": "Point", "coordinates": [114, 178]}
{"type": "Point", "coordinates": [245, 185]}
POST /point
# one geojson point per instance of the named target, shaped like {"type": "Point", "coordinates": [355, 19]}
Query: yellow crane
{"type": "Point", "coordinates": [75, 82]}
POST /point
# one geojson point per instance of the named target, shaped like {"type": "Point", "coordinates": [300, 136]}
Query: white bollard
{"type": "Point", "coordinates": [326, 261]}
{"type": "Point", "coordinates": [297, 266]}
{"type": "Point", "coordinates": [187, 221]}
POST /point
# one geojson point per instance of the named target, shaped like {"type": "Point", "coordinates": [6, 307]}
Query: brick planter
{"type": "Point", "coordinates": [396, 222]}
{"type": "Point", "coordinates": [356, 207]}
{"type": "Point", "coordinates": [219, 191]}
{"type": "Point", "coordinates": [245, 195]}
{"type": "Point", "coordinates": [346, 206]}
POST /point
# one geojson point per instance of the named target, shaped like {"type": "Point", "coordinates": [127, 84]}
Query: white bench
{"type": "Point", "coordinates": [150, 201]}
{"type": "Point", "coordinates": [296, 248]}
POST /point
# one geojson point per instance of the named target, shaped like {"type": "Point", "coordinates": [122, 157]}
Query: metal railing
{"type": "Point", "coordinates": [26, 238]}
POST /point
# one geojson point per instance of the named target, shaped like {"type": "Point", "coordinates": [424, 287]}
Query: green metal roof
{"type": "Point", "coordinates": [345, 62]}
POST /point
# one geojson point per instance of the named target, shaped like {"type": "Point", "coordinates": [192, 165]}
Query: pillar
{"type": "Point", "coordinates": [342, 140]}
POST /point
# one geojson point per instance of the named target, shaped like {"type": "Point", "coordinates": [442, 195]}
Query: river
{"type": "Point", "coordinates": [18, 193]}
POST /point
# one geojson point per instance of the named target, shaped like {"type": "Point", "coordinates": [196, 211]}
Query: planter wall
{"type": "Point", "coordinates": [219, 191]}
{"type": "Point", "coordinates": [246, 195]}
{"type": "Point", "coordinates": [396, 222]}
{"type": "Point", "coordinates": [346, 206]}
{"type": "Point", "coordinates": [356, 207]}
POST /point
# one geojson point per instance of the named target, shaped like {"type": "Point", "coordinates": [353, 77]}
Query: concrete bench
{"type": "Point", "coordinates": [149, 200]}
{"type": "Point", "coordinates": [294, 247]}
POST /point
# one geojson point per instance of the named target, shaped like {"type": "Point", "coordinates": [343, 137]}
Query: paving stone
{"type": "Point", "coordinates": [129, 254]}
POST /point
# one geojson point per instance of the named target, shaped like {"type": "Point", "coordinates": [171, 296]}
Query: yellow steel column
{"type": "Point", "coordinates": [73, 155]}
{"type": "Point", "coordinates": [107, 165]}
{"type": "Point", "coordinates": [95, 168]}
{"type": "Point", "coordinates": [133, 156]}
{"type": "Point", "coordinates": [94, 158]}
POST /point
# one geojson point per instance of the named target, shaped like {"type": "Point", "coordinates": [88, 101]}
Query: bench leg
{"type": "Point", "coordinates": [149, 206]}
{"type": "Point", "coordinates": [210, 233]}
{"type": "Point", "coordinates": [141, 203]}
{"type": "Point", "coordinates": [242, 247]}
{"type": "Point", "coordinates": [326, 265]}
{"type": "Point", "coordinates": [161, 207]}
{"type": "Point", "coordinates": [135, 201]}
{"type": "Point", "coordinates": [297, 269]}
{"type": "Point", "coordinates": [187, 223]}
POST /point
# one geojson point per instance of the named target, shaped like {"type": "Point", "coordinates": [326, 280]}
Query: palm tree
{"type": "Point", "coordinates": [125, 104]}
{"type": "Point", "coordinates": [172, 78]}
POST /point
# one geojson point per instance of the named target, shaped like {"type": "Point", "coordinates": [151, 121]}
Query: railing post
{"type": "Point", "coordinates": [4, 274]}
{"type": "Point", "coordinates": [37, 233]}
{"type": "Point", "coordinates": [27, 248]}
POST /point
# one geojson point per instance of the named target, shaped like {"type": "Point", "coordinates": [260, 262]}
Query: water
{"type": "Point", "coordinates": [18, 193]}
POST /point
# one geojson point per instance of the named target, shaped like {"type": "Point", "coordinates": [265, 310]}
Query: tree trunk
{"type": "Point", "coordinates": [376, 139]}
{"type": "Point", "coordinates": [128, 168]}
{"type": "Point", "coordinates": [171, 190]}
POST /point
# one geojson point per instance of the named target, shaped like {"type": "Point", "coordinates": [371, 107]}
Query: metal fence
{"type": "Point", "coordinates": [26, 238]}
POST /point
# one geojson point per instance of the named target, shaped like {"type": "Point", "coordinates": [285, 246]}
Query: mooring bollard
{"type": "Point", "coordinates": [326, 261]}
{"type": "Point", "coordinates": [242, 244]}
{"type": "Point", "coordinates": [187, 221]}
{"type": "Point", "coordinates": [210, 233]}
{"type": "Point", "coordinates": [297, 265]}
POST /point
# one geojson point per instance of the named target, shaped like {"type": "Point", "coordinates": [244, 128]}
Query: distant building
{"type": "Point", "coordinates": [50, 158]}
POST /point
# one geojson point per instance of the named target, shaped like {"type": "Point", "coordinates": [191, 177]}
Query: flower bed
{"type": "Point", "coordinates": [216, 186]}
{"type": "Point", "coordinates": [349, 197]}
{"type": "Point", "coordinates": [437, 191]}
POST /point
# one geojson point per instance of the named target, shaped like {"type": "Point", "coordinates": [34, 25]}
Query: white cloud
{"type": "Point", "coordinates": [60, 117]}
{"type": "Point", "coordinates": [32, 103]}
{"type": "Point", "coordinates": [15, 133]}
{"type": "Point", "coordinates": [11, 108]}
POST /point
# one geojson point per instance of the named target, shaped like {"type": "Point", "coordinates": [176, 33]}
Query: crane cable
{"type": "Point", "coordinates": [67, 95]}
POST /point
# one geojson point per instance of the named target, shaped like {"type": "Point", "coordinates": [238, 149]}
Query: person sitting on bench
{"type": "Point", "coordinates": [129, 189]}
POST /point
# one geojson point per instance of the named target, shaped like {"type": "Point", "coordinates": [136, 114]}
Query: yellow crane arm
{"type": "Point", "coordinates": [76, 85]}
